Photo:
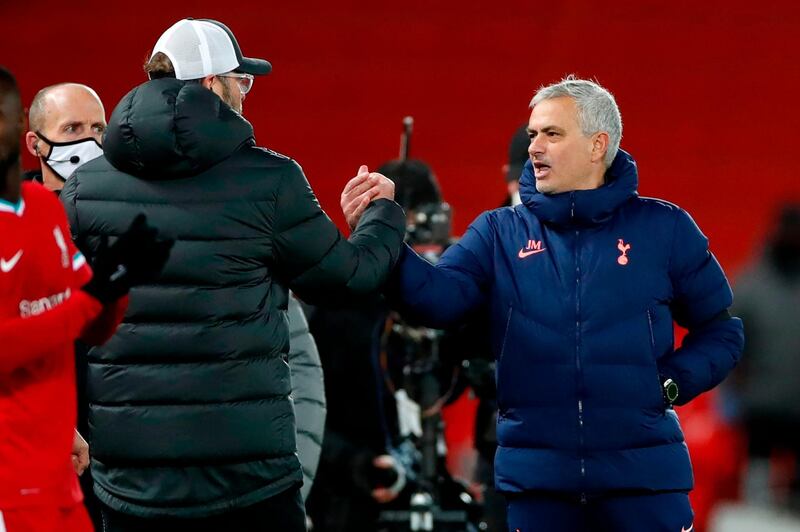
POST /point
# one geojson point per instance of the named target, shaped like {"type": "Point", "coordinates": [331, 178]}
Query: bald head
{"type": "Point", "coordinates": [63, 113]}
{"type": "Point", "coordinates": [66, 100]}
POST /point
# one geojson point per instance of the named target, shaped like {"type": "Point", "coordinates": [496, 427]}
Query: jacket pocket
{"type": "Point", "coordinates": [659, 387]}
{"type": "Point", "coordinates": [652, 334]}
{"type": "Point", "coordinates": [500, 367]}
{"type": "Point", "coordinates": [505, 334]}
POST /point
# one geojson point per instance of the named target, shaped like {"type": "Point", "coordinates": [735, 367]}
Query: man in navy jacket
{"type": "Point", "coordinates": [583, 282]}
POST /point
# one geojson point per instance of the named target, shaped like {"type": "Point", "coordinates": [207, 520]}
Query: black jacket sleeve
{"type": "Point", "coordinates": [311, 254]}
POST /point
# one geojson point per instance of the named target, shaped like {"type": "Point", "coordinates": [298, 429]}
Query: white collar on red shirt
{"type": "Point", "coordinates": [16, 208]}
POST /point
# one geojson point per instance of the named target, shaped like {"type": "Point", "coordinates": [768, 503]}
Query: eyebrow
{"type": "Point", "coordinates": [70, 123]}
{"type": "Point", "coordinates": [545, 129]}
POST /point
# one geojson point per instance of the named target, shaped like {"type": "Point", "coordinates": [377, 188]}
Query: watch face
{"type": "Point", "coordinates": [671, 390]}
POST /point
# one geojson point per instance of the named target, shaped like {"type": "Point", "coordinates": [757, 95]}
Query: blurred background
{"type": "Point", "coordinates": [707, 92]}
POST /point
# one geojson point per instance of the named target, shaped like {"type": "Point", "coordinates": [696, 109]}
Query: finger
{"type": "Point", "coordinates": [362, 175]}
{"type": "Point", "coordinates": [356, 181]}
{"type": "Point", "coordinates": [355, 201]}
{"type": "Point", "coordinates": [359, 189]}
{"type": "Point", "coordinates": [355, 216]}
{"type": "Point", "coordinates": [361, 206]}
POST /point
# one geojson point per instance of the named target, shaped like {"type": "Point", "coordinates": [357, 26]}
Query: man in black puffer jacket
{"type": "Point", "coordinates": [190, 409]}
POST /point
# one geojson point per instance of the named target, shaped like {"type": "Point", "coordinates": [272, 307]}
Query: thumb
{"type": "Point", "coordinates": [363, 169]}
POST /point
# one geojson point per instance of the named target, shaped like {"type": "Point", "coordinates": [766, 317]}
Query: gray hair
{"type": "Point", "coordinates": [597, 109]}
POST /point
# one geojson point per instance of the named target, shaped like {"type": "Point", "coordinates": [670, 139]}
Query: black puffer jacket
{"type": "Point", "coordinates": [189, 402]}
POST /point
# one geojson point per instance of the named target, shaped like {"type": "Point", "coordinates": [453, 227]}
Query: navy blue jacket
{"type": "Point", "coordinates": [583, 288]}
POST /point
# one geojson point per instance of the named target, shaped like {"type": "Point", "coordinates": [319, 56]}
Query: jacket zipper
{"type": "Point", "coordinates": [501, 411]}
{"type": "Point", "coordinates": [653, 344]}
{"type": "Point", "coordinates": [578, 348]}
{"type": "Point", "coordinates": [505, 333]}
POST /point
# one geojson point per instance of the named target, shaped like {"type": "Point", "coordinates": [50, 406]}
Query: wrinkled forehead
{"type": "Point", "coordinates": [554, 112]}
{"type": "Point", "coordinates": [73, 104]}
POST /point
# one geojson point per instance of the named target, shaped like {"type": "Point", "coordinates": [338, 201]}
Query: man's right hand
{"type": "Point", "coordinates": [137, 257]}
{"type": "Point", "coordinates": [80, 453]}
{"type": "Point", "coordinates": [365, 187]}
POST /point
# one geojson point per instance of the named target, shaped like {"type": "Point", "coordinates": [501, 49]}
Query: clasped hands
{"type": "Point", "coordinates": [365, 187]}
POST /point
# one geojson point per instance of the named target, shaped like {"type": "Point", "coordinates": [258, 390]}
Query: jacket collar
{"type": "Point", "coordinates": [582, 207]}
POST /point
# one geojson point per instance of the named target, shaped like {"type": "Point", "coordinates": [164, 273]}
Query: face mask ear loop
{"type": "Point", "coordinates": [45, 140]}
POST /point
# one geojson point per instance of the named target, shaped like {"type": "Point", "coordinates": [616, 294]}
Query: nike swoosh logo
{"type": "Point", "coordinates": [688, 529]}
{"type": "Point", "coordinates": [523, 253]}
{"type": "Point", "coordinates": [8, 265]}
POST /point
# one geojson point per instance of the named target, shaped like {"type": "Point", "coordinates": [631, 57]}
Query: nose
{"type": "Point", "coordinates": [536, 146]}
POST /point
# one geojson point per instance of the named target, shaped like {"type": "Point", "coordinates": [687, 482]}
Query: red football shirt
{"type": "Point", "coordinates": [42, 311]}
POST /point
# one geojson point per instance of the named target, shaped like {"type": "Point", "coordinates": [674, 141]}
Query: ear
{"type": "Point", "coordinates": [599, 146]}
{"type": "Point", "coordinates": [32, 143]}
{"type": "Point", "coordinates": [207, 81]}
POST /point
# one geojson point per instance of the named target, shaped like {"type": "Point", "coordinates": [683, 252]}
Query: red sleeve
{"type": "Point", "coordinates": [22, 338]}
{"type": "Point", "coordinates": [99, 330]}
{"type": "Point", "coordinates": [82, 273]}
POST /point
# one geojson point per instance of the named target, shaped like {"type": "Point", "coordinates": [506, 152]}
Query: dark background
{"type": "Point", "coordinates": [707, 89]}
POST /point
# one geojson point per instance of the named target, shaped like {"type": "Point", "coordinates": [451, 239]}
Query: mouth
{"type": "Point", "coordinates": [540, 169]}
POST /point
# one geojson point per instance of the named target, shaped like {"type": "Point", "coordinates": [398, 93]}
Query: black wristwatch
{"type": "Point", "coordinates": [670, 390]}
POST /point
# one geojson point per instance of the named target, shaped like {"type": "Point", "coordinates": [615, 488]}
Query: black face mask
{"type": "Point", "coordinates": [64, 158]}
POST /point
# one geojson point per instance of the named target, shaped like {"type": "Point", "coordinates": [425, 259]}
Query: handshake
{"type": "Point", "coordinates": [361, 190]}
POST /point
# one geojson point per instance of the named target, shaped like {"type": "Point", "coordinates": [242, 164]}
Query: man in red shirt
{"type": "Point", "coordinates": [49, 297]}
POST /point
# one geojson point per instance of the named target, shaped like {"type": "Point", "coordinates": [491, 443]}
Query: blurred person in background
{"type": "Point", "coordinates": [196, 429]}
{"type": "Point", "coordinates": [308, 393]}
{"type": "Point", "coordinates": [583, 281]}
{"type": "Point", "coordinates": [512, 170]}
{"type": "Point", "coordinates": [768, 381]}
{"type": "Point", "coordinates": [66, 122]}
{"type": "Point", "coordinates": [358, 476]}
{"type": "Point", "coordinates": [50, 298]}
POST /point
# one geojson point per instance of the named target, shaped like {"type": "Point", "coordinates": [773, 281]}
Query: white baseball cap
{"type": "Point", "coordinates": [205, 47]}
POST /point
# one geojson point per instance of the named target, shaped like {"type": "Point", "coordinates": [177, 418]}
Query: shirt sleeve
{"type": "Point", "coordinates": [22, 338]}
{"type": "Point", "coordinates": [317, 262]}
{"type": "Point", "coordinates": [702, 296]}
{"type": "Point", "coordinates": [445, 295]}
